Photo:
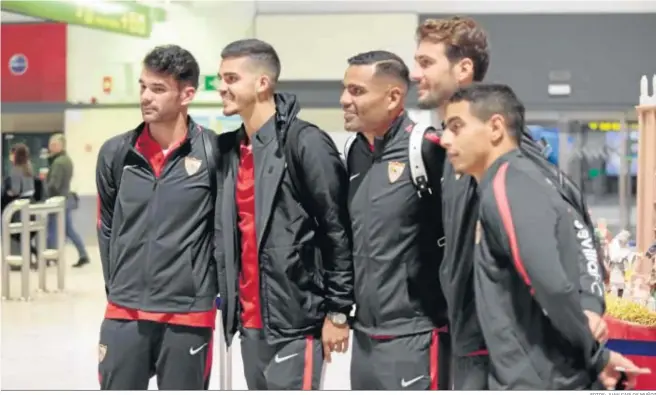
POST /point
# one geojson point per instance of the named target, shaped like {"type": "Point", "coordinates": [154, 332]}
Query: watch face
{"type": "Point", "coordinates": [338, 318]}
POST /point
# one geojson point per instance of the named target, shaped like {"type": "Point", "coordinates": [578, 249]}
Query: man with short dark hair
{"type": "Point", "coordinates": [527, 291]}
{"type": "Point", "coordinates": [58, 183]}
{"type": "Point", "coordinates": [283, 231]}
{"type": "Point", "coordinates": [400, 320]}
{"type": "Point", "coordinates": [454, 52]}
{"type": "Point", "coordinates": [156, 194]}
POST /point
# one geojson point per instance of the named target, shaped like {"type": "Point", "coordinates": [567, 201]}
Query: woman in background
{"type": "Point", "coordinates": [20, 184]}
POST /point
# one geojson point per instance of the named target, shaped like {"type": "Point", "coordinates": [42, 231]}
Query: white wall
{"type": "Point", "coordinates": [328, 40]}
{"type": "Point", "coordinates": [203, 28]}
{"type": "Point", "coordinates": [455, 7]}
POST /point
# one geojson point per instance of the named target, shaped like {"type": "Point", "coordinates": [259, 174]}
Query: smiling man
{"type": "Point", "coordinates": [156, 188]}
{"type": "Point", "coordinates": [400, 337]}
{"type": "Point", "coordinates": [452, 53]}
{"type": "Point", "coordinates": [285, 265]}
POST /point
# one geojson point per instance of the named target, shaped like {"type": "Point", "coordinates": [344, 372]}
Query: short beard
{"type": "Point", "coordinates": [429, 103]}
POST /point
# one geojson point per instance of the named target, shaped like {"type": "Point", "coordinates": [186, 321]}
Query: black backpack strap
{"type": "Point", "coordinates": [211, 160]}
{"type": "Point", "coordinates": [119, 161]}
{"type": "Point", "coordinates": [290, 143]}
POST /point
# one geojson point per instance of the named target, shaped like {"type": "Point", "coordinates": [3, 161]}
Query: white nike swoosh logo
{"type": "Point", "coordinates": [280, 359]}
{"type": "Point", "coordinates": [354, 176]}
{"type": "Point", "coordinates": [409, 383]}
{"type": "Point", "coordinates": [194, 351]}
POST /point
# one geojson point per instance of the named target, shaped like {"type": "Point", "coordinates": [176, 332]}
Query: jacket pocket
{"type": "Point", "coordinates": [364, 312]}
{"type": "Point", "coordinates": [392, 294]}
{"type": "Point", "coordinates": [126, 271]}
{"type": "Point", "coordinates": [173, 279]}
{"type": "Point", "coordinates": [292, 292]}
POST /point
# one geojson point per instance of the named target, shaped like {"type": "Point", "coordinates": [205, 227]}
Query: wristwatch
{"type": "Point", "coordinates": [337, 318]}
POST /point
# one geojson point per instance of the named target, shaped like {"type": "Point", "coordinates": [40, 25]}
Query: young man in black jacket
{"type": "Point", "coordinates": [283, 231]}
{"type": "Point", "coordinates": [450, 53]}
{"type": "Point", "coordinates": [400, 340]}
{"type": "Point", "coordinates": [156, 205]}
{"type": "Point", "coordinates": [527, 295]}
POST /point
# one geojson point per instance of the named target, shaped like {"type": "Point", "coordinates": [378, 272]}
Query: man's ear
{"type": "Point", "coordinates": [263, 84]}
{"type": "Point", "coordinates": [395, 97]}
{"type": "Point", "coordinates": [497, 128]}
{"type": "Point", "coordinates": [464, 71]}
{"type": "Point", "coordinates": [187, 95]}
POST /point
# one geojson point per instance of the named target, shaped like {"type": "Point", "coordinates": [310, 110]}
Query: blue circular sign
{"type": "Point", "coordinates": [18, 64]}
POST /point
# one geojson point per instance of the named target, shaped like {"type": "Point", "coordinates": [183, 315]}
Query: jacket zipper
{"type": "Point", "coordinates": [146, 265]}
{"type": "Point", "coordinates": [368, 236]}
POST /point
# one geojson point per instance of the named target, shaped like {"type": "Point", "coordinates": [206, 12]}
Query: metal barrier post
{"type": "Point", "coordinates": [25, 253]}
{"type": "Point", "coordinates": [53, 206]}
{"type": "Point", "coordinates": [41, 241]}
{"type": "Point", "coordinates": [19, 205]}
{"type": "Point", "coordinates": [61, 239]}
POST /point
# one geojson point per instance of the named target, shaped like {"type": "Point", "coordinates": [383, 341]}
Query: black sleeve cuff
{"type": "Point", "coordinates": [332, 308]}
{"type": "Point", "coordinates": [599, 360]}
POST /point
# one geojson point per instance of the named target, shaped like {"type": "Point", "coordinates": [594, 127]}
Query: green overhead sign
{"type": "Point", "coordinates": [123, 17]}
{"type": "Point", "coordinates": [209, 83]}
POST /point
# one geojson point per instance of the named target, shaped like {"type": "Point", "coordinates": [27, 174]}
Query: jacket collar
{"type": "Point", "coordinates": [193, 129]}
{"type": "Point", "coordinates": [287, 109]}
{"type": "Point", "coordinates": [401, 124]}
{"type": "Point", "coordinates": [491, 172]}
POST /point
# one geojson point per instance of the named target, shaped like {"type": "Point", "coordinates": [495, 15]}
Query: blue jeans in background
{"type": "Point", "coordinates": [71, 234]}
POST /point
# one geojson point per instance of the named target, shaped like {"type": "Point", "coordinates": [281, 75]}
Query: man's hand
{"type": "Point", "coordinates": [334, 338]}
{"type": "Point", "coordinates": [618, 364]}
{"type": "Point", "coordinates": [597, 326]}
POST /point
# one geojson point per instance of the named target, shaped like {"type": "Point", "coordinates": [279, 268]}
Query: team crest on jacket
{"type": "Point", "coordinates": [102, 351]}
{"type": "Point", "coordinates": [479, 231]}
{"type": "Point", "coordinates": [192, 165]}
{"type": "Point", "coordinates": [394, 171]}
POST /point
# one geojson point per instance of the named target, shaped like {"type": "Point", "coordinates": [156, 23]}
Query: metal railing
{"type": "Point", "coordinates": [33, 219]}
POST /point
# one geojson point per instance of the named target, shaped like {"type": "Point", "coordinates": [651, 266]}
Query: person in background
{"type": "Point", "coordinates": [20, 184]}
{"type": "Point", "coordinates": [58, 183]}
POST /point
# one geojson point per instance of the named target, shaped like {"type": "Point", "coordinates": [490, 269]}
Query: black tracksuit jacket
{"type": "Point", "coordinates": [155, 233]}
{"type": "Point", "coordinates": [459, 212]}
{"type": "Point", "coordinates": [528, 283]}
{"type": "Point", "coordinates": [306, 267]}
{"type": "Point", "coordinates": [396, 256]}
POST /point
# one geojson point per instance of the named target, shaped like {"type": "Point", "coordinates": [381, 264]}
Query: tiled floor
{"type": "Point", "coordinates": [51, 343]}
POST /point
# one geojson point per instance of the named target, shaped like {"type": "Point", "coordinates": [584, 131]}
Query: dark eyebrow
{"type": "Point", "coordinates": [156, 84]}
{"type": "Point", "coordinates": [452, 120]}
{"type": "Point", "coordinates": [352, 85]}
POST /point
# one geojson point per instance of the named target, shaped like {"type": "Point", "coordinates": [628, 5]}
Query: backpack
{"type": "Point", "coordinates": [122, 152]}
{"type": "Point", "coordinates": [418, 172]}
{"type": "Point", "coordinates": [289, 143]}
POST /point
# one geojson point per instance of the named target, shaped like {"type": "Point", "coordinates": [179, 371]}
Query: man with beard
{"type": "Point", "coordinates": [527, 291]}
{"type": "Point", "coordinates": [451, 53]}
{"type": "Point", "coordinates": [399, 334]}
{"type": "Point", "coordinates": [156, 187]}
{"type": "Point", "coordinates": [283, 232]}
